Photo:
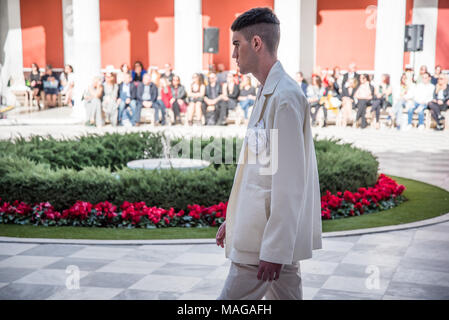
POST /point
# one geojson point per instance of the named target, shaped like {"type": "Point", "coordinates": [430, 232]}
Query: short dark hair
{"type": "Point", "coordinates": [262, 22]}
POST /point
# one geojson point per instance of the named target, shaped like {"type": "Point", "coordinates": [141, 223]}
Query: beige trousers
{"type": "Point", "coordinates": [242, 284]}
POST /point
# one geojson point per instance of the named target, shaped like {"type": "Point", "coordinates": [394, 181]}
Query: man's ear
{"type": "Point", "coordinates": [256, 43]}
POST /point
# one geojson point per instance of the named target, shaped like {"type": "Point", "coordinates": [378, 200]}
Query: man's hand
{"type": "Point", "coordinates": [221, 233]}
{"type": "Point", "coordinates": [128, 101]}
{"type": "Point", "coordinates": [268, 271]}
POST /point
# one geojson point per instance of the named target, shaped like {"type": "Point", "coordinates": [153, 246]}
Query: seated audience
{"type": "Point", "coordinates": [422, 70]}
{"type": "Point", "coordinates": [110, 106]}
{"type": "Point", "coordinates": [127, 94]}
{"type": "Point", "coordinates": [247, 95]}
{"type": "Point", "coordinates": [92, 102]}
{"type": "Point", "coordinates": [436, 75]}
{"type": "Point", "coordinates": [196, 98]}
{"type": "Point", "coordinates": [35, 83]}
{"type": "Point", "coordinates": [314, 93]}
{"type": "Point", "coordinates": [178, 100]}
{"type": "Point", "coordinates": [214, 97]}
{"type": "Point", "coordinates": [422, 95]}
{"type": "Point", "coordinates": [67, 82]}
{"type": "Point", "coordinates": [383, 97]}
{"type": "Point", "coordinates": [347, 102]}
{"type": "Point", "coordinates": [352, 73]}
{"type": "Point", "coordinates": [50, 85]}
{"type": "Point", "coordinates": [330, 99]}
{"type": "Point", "coordinates": [363, 96]}
{"type": "Point", "coordinates": [168, 74]}
{"type": "Point", "coordinates": [138, 72]}
{"type": "Point", "coordinates": [124, 70]}
{"type": "Point", "coordinates": [440, 101]}
{"type": "Point", "coordinates": [231, 92]}
{"type": "Point", "coordinates": [403, 98]}
{"type": "Point", "coordinates": [165, 93]}
{"type": "Point", "coordinates": [301, 82]}
{"type": "Point", "coordinates": [147, 97]}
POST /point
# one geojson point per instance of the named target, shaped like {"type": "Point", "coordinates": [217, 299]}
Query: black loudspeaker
{"type": "Point", "coordinates": [210, 40]}
{"type": "Point", "coordinates": [414, 37]}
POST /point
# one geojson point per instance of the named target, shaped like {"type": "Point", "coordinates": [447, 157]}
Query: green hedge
{"type": "Point", "coordinates": [93, 169]}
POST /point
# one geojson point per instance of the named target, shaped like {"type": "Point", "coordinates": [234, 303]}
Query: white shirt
{"type": "Point", "coordinates": [423, 93]}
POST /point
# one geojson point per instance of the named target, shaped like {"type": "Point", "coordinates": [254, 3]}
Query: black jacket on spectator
{"type": "Point", "coordinates": [182, 94]}
{"type": "Point", "coordinates": [132, 90]}
{"type": "Point", "coordinates": [345, 92]}
{"type": "Point", "coordinates": [445, 94]}
{"type": "Point", "coordinates": [346, 77]}
{"type": "Point", "coordinates": [153, 92]}
{"type": "Point", "coordinates": [208, 92]}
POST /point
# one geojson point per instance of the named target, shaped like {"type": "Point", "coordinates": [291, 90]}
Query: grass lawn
{"type": "Point", "coordinates": [424, 201]}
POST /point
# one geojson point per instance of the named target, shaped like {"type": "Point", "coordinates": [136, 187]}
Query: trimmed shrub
{"type": "Point", "coordinates": [95, 171]}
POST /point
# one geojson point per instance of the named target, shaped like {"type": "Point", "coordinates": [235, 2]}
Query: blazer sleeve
{"type": "Point", "coordinates": [154, 93]}
{"type": "Point", "coordinates": [287, 186]}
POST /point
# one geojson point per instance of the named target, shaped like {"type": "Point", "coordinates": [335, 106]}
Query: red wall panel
{"type": "Point", "coordinates": [346, 33]}
{"type": "Point", "coordinates": [221, 14]}
{"type": "Point", "coordinates": [42, 34]}
{"type": "Point", "coordinates": [442, 45]}
{"type": "Point", "coordinates": [137, 30]}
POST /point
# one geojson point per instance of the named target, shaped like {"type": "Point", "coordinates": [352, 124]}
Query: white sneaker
{"type": "Point", "coordinates": [407, 127]}
{"type": "Point", "coordinates": [421, 127]}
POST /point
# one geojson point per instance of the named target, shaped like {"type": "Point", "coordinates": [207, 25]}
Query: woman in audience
{"type": "Point", "coordinates": [301, 82]}
{"type": "Point", "coordinates": [231, 91]}
{"type": "Point", "coordinates": [383, 97]}
{"type": "Point", "coordinates": [92, 102]}
{"type": "Point", "coordinates": [363, 95]}
{"type": "Point", "coordinates": [247, 95]}
{"type": "Point", "coordinates": [178, 100]}
{"type": "Point", "coordinates": [440, 101]}
{"type": "Point", "coordinates": [51, 85]}
{"type": "Point", "coordinates": [403, 97]}
{"type": "Point", "coordinates": [36, 83]}
{"type": "Point", "coordinates": [196, 98]}
{"type": "Point", "coordinates": [314, 93]}
{"type": "Point", "coordinates": [110, 106]}
{"type": "Point", "coordinates": [330, 99]}
{"type": "Point", "coordinates": [67, 82]}
{"type": "Point", "coordinates": [138, 72]}
{"type": "Point", "coordinates": [338, 76]}
{"type": "Point", "coordinates": [124, 70]}
{"type": "Point", "coordinates": [347, 102]}
{"type": "Point", "coordinates": [165, 92]}
{"type": "Point", "coordinates": [436, 75]}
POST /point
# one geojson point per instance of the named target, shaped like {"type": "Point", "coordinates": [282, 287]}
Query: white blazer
{"type": "Point", "coordinates": [276, 217]}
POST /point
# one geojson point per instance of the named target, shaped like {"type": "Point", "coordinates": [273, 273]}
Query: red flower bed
{"type": "Point", "coordinates": [384, 195]}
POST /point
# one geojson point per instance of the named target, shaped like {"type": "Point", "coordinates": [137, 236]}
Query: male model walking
{"type": "Point", "coordinates": [274, 210]}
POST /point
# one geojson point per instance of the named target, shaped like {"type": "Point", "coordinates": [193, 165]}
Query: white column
{"type": "Point", "coordinates": [390, 29]}
{"type": "Point", "coordinates": [86, 49]}
{"type": "Point", "coordinates": [67, 21]}
{"type": "Point", "coordinates": [188, 39]}
{"type": "Point", "coordinates": [297, 45]}
{"type": "Point", "coordinates": [11, 55]}
{"type": "Point", "coordinates": [426, 12]}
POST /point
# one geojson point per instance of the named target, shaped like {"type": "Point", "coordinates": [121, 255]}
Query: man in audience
{"type": "Point", "coordinates": [147, 94]}
{"type": "Point", "coordinates": [213, 97]}
{"type": "Point", "coordinates": [301, 81]}
{"type": "Point", "coordinates": [422, 70]}
{"type": "Point", "coordinates": [51, 87]}
{"type": "Point", "coordinates": [352, 73]}
{"type": "Point", "coordinates": [127, 99]}
{"type": "Point", "coordinates": [422, 95]}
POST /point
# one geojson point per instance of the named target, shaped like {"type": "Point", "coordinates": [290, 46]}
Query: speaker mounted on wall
{"type": "Point", "coordinates": [210, 40]}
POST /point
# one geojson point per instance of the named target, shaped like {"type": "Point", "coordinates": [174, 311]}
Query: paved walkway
{"type": "Point", "coordinates": [407, 264]}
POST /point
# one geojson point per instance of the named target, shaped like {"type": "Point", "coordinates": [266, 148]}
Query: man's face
{"type": "Point", "coordinates": [146, 79]}
{"type": "Point", "coordinates": [212, 78]}
{"type": "Point", "coordinates": [426, 78]}
{"type": "Point", "coordinates": [242, 53]}
{"type": "Point", "coordinates": [128, 78]}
